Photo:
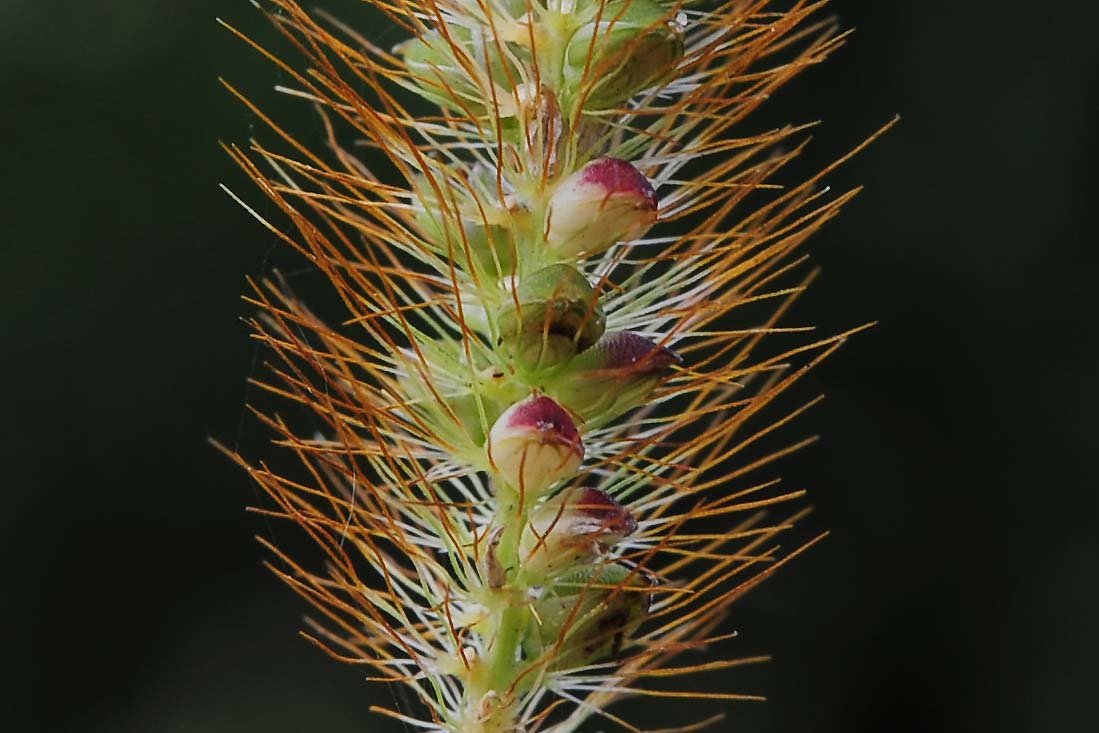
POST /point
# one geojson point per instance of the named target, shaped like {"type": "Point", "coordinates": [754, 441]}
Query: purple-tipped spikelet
{"type": "Point", "coordinates": [605, 202]}
{"type": "Point", "coordinates": [555, 237]}
{"type": "Point", "coordinates": [534, 445]}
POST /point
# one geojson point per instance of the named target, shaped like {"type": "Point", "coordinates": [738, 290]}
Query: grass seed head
{"type": "Point", "coordinates": [532, 448]}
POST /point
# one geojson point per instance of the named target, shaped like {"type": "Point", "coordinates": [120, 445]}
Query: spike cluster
{"type": "Point", "coordinates": [529, 478]}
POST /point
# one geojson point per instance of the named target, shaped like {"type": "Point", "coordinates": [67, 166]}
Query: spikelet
{"type": "Point", "coordinates": [531, 482]}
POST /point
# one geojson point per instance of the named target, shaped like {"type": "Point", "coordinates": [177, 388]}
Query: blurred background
{"type": "Point", "coordinates": [959, 588]}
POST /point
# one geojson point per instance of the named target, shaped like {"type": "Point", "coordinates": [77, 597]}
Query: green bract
{"type": "Point", "coordinates": [462, 70]}
{"type": "Point", "coordinates": [587, 615]}
{"type": "Point", "coordinates": [554, 314]}
{"type": "Point", "coordinates": [629, 48]}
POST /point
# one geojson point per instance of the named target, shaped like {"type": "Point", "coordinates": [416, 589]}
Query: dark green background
{"type": "Point", "coordinates": [958, 591]}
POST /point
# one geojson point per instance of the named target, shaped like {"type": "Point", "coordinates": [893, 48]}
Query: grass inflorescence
{"type": "Point", "coordinates": [532, 463]}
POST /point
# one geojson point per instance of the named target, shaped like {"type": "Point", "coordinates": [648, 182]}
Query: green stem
{"type": "Point", "coordinates": [508, 616]}
{"type": "Point", "coordinates": [504, 661]}
{"type": "Point", "coordinates": [487, 691]}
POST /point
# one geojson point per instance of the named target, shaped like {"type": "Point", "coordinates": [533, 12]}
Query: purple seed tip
{"type": "Point", "coordinates": [635, 353]}
{"type": "Point", "coordinates": [546, 416]}
{"type": "Point", "coordinates": [616, 176]}
{"type": "Point", "coordinates": [601, 506]}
